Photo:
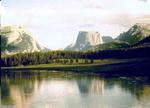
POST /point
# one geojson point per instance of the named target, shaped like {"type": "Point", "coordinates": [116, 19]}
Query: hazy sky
{"type": "Point", "coordinates": [55, 23]}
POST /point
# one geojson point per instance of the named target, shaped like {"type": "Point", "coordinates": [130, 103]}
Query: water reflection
{"type": "Point", "coordinates": [52, 89]}
{"type": "Point", "coordinates": [90, 86]}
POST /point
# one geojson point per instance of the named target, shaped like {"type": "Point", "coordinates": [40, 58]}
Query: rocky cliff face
{"type": "Point", "coordinates": [15, 39]}
{"type": "Point", "coordinates": [84, 40]}
{"type": "Point", "coordinates": [107, 39]}
{"type": "Point", "coordinates": [135, 33]}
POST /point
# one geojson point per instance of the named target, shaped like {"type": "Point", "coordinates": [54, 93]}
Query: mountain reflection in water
{"type": "Point", "coordinates": [53, 89]}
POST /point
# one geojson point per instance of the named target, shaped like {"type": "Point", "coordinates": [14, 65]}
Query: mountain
{"type": "Point", "coordinates": [69, 47]}
{"type": "Point", "coordinates": [107, 39]}
{"type": "Point", "coordinates": [143, 43]}
{"type": "Point", "coordinates": [134, 36]}
{"type": "Point", "coordinates": [138, 50]}
{"type": "Point", "coordinates": [111, 45]}
{"type": "Point", "coordinates": [84, 40]}
{"type": "Point", "coordinates": [16, 39]}
{"type": "Point", "coordinates": [135, 33]}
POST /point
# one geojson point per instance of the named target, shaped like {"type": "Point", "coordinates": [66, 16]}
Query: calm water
{"type": "Point", "coordinates": [53, 89]}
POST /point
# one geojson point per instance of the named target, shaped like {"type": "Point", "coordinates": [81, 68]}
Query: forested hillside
{"type": "Point", "coordinates": [65, 57]}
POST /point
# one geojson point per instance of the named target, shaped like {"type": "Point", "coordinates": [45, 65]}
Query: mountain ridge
{"type": "Point", "coordinates": [136, 33]}
{"type": "Point", "coordinates": [16, 39]}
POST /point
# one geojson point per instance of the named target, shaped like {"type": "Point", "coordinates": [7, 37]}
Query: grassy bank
{"type": "Point", "coordinates": [108, 67]}
{"type": "Point", "coordinates": [80, 64]}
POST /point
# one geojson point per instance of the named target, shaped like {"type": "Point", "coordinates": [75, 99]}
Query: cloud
{"type": "Point", "coordinates": [123, 19]}
{"type": "Point", "coordinates": [47, 17]}
{"type": "Point", "coordinates": [87, 25]}
{"type": "Point", "coordinates": [144, 0]}
{"type": "Point", "coordinates": [93, 5]}
{"type": "Point", "coordinates": [127, 20]}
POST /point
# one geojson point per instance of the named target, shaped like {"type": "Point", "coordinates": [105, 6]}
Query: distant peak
{"type": "Point", "coordinates": [20, 40]}
{"type": "Point", "coordinates": [86, 39]}
{"type": "Point", "coordinates": [14, 27]}
{"type": "Point", "coordinates": [19, 28]}
{"type": "Point", "coordinates": [145, 25]}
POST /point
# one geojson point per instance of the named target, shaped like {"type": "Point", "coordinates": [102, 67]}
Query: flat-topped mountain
{"type": "Point", "coordinates": [16, 39]}
{"type": "Point", "coordinates": [85, 39]}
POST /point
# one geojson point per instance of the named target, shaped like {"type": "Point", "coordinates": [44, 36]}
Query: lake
{"type": "Point", "coordinates": [58, 89]}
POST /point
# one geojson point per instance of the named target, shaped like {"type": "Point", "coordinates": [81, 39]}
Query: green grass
{"type": "Point", "coordinates": [80, 64]}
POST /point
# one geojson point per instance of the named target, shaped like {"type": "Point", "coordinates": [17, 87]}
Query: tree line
{"type": "Point", "coordinates": [64, 57]}
{"type": "Point", "coordinates": [69, 57]}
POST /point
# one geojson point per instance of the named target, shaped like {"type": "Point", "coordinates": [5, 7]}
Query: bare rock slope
{"type": "Point", "coordinates": [84, 40]}
{"type": "Point", "coordinates": [135, 34]}
{"type": "Point", "coordinates": [16, 39]}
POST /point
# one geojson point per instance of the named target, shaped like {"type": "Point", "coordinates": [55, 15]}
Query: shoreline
{"type": "Point", "coordinates": [129, 68]}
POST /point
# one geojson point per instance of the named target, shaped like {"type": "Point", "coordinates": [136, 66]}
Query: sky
{"type": "Point", "coordinates": [55, 23]}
